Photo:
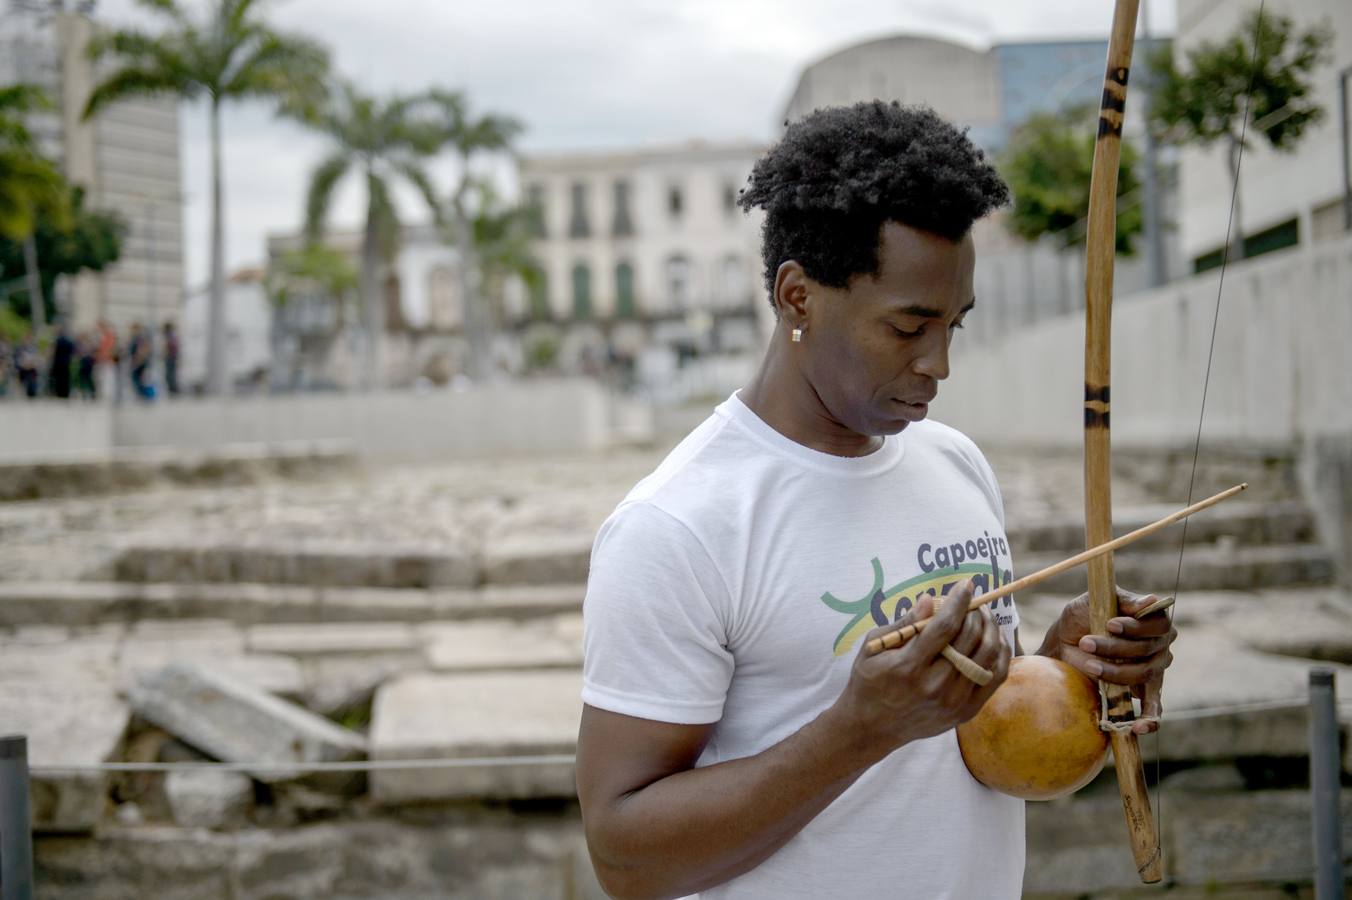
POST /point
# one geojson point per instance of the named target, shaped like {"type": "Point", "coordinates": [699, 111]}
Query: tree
{"type": "Point", "coordinates": [30, 184]}
{"type": "Point", "coordinates": [312, 270]}
{"type": "Point", "coordinates": [311, 288]}
{"type": "Point", "coordinates": [230, 55]}
{"type": "Point", "coordinates": [468, 136]}
{"type": "Point", "coordinates": [1265, 65]}
{"type": "Point", "coordinates": [382, 141]}
{"type": "Point", "coordinates": [31, 187]}
{"type": "Point", "coordinates": [1048, 164]}
{"type": "Point", "coordinates": [502, 246]}
{"type": "Point", "coordinates": [76, 241]}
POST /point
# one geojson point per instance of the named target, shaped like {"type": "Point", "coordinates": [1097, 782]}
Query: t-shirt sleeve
{"type": "Point", "coordinates": [654, 638]}
{"type": "Point", "coordinates": [989, 482]}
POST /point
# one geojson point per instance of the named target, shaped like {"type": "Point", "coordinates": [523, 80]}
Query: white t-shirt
{"type": "Point", "coordinates": [732, 585]}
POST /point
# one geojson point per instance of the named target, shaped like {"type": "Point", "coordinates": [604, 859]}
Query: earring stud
{"type": "Point", "coordinates": [796, 335]}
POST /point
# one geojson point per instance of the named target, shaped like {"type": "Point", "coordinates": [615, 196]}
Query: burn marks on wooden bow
{"type": "Point", "coordinates": [1114, 106]}
{"type": "Point", "coordinates": [1095, 406]}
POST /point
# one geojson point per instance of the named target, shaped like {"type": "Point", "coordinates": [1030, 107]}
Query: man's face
{"type": "Point", "coordinates": [879, 347]}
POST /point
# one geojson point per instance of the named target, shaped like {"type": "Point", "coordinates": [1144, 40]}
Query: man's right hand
{"type": "Point", "coordinates": [913, 692]}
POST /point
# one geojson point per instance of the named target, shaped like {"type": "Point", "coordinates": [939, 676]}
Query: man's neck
{"type": "Point", "coordinates": [785, 400]}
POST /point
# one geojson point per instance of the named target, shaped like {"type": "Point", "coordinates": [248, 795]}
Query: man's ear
{"type": "Point", "coordinates": [792, 298]}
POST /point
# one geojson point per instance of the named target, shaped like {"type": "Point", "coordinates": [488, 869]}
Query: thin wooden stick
{"type": "Point", "coordinates": [896, 638]}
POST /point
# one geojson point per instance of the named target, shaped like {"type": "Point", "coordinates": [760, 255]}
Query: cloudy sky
{"type": "Point", "coordinates": [580, 74]}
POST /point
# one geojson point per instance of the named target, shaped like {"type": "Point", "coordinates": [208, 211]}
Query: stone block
{"type": "Point", "coordinates": [426, 716]}
{"type": "Point", "coordinates": [295, 862]}
{"type": "Point", "coordinates": [1077, 845]}
{"type": "Point", "coordinates": [337, 686]}
{"type": "Point", "coordinates": [152, 647]}
{"type": "Point", "coordinates": [548, 642]}
{"type": "Point", "coordinates": [333, 639]}
{"type": "Point", "coordinates": [1315, 623]}
{"type": "Point", "coordinates": [1223, 700]}
{"type": "Point", "coordinates": [136, 863]}
{"type": "Point", "coordinates": [541, 559]}
{"type": "Point", "coordinates": [509, 601]}
{"type": "Point", "coordinates": [69, 723]}
{"type": "Point", "coordinates": [1253, 836]}
{"type": "Point", "coordinates": [205, 798]}
{"type": "Point", "coordinates": [1205, 568]}
{"type": "Point", "coordinates": [332, 563]}
{"type": "Point", "coordinates": [236, 722]}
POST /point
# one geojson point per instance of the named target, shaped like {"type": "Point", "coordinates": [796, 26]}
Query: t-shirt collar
{"type": "Point", "coordinates": [880, 460]}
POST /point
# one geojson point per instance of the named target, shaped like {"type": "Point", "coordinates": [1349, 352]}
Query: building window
{"type": "Point", "coordinates": [678, 282]}
{"type": "Point", "coordinates": [578, 226]}
{"type": "Point", "coordinates": [535, 210]}
{"type": "Point", "coordinates": [1279, 237]}
{"type": "Point", "coordinates": [625, 305]}
{"type": "Point", "coordinates": [623, 226]}
{"type": "Point", "coordinates": [582, 301]}
{"type": "Point", "coordinates": [675, 202]}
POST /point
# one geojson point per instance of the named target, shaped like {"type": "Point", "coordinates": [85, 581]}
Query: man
{"type": "Point", "coordinates": [58, 369]}
{"type": "Point", "coordinates": [171, 351]}
{"type": "Point", "coordinates": [139, 352]}
{"type": "Point", "coordinates": [736, 742]}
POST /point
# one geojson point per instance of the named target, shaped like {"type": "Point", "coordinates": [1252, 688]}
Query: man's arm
{"type": "Point", "coordinates": [658, 827]}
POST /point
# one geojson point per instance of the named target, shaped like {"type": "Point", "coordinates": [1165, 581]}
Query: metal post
{"type": "Point", "coordinates": [1343, 78]}
{"type": "Point", "coordinates": [16, 830]}
{"type": "Point", "coordinates": [1325, 770]}
{"type": "Point", "coordinates": [1154, 235]}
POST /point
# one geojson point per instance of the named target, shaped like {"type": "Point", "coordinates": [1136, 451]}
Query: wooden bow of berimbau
{"type": "Point", "coordinates": [1101, 240]}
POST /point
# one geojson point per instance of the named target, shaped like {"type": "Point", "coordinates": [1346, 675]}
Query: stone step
{"type": "Point", "coordinates": [1234, 522]}
{"type": "Point", "coordinates": [449, 716]}
{"type": "Point", "coordinates": [1310, 623]}
{"type": "Point", "coordinates": [136, 468]}
{"type": "Point", "coordinates": [520, 561]}
{"type": "Point", "coordinates": [1205, 567]}
{"type": "Point", "coordinates": [87, 603]}
{"type": "Point", "coordinates": [480, 853]}
{"type": "Point", "coordinates": [1237, 844]}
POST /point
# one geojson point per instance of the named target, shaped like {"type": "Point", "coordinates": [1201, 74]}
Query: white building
{"type": "Point", "coordinates": [648, 246]}
{"type": "Point", "coordinates": [960, 82]}
{"type": "Point", "coordinates": [248, 333]}
{"type": "Point", "coordinates": [127, 159]}
{"type": "Point", "coordinates": [1285, 198]}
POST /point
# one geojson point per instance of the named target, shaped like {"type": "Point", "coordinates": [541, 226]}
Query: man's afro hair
{"type": "Point", "coordinates": [838, 174]}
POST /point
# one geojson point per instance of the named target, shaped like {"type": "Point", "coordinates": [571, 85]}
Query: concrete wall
{"type": "Point", "coordinates": [524, 418]}
{"type": "Point", "coordinates": [48, 429]}
{"type": "Point", "coordinates": [529, 417]}
{"type": "Point", "coordinates": [1280, 374]}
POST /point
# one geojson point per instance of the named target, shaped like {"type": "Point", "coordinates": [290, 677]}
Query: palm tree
{"type": "Point", "coordinates": [230, 55]}
{"type": "Point", "coordinates": [382, 141]}
{"type": "Point", "coordinates": [31, 186]}
{"type": "Point", "coordinates": [467, 137]}
{"type": "Point", "coordinates": [503, 248]}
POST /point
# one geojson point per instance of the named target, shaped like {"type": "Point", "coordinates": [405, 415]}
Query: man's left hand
{"type": "Point", "coordinates": [1135, 652]}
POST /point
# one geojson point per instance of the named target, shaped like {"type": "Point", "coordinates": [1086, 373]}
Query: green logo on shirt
{"type": "Point", "coordinates": [883, 605]}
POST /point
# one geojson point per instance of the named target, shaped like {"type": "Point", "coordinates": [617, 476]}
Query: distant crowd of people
{"type": "Point", "coordinates": [93, 364]}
